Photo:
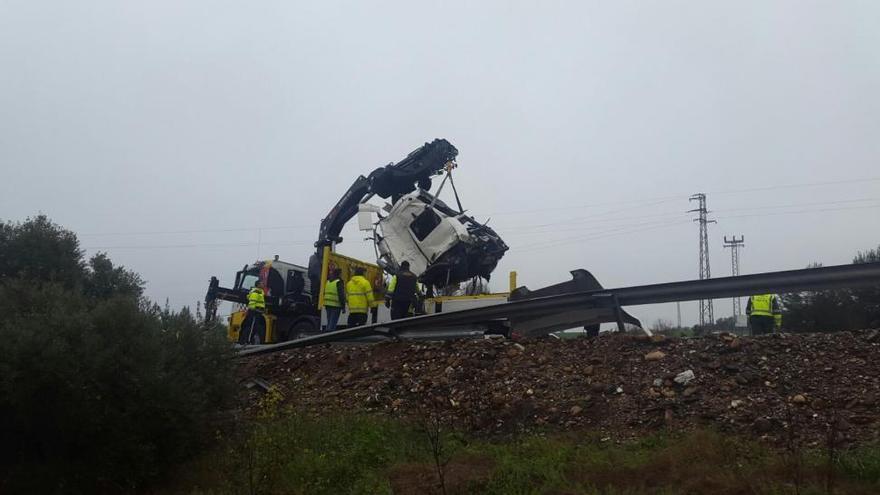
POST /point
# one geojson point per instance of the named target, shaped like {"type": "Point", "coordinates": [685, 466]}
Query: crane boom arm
{"type": "Point", "coordinates": [393, 180]}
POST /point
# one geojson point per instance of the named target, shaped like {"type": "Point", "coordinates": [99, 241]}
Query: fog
{"type": "Point", "coordinates": [186, 139]}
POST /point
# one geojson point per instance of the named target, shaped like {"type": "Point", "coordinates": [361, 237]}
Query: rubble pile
{"type": "Point", "coordinates": [778, 387]}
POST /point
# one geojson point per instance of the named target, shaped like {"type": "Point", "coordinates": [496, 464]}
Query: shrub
{"type": "Point", "coordinates": [99, 390]}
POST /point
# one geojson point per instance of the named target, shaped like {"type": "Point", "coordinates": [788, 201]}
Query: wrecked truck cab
{"type": "Point", "coordinates": [442, 246]}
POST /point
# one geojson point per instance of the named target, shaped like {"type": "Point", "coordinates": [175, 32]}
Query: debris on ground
{"type": "Point", "coordinates": [772, 386]}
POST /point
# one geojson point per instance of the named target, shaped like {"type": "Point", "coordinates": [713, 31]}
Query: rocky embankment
{"type": "Point", "coordinates": [781, 388]}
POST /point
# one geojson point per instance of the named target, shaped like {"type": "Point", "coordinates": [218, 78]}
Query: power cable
{"type": "Point", "coordinates": [531, 228]}
{"type": "Point", "coordinates": [639, 203]}
{"type": "Point", "coordinates": [797, 205]}
{"type": "Point", "coordinates": [679, 196]}
{"type": "Point", "coordinates": [797, 185]}
{"type": "Point", "coordinates": [611, 229]}
{"type": "Point", "coordinates": [548, 245]}
{"type": "Point", "coordinates": [844, 208]}
{"type": "Point", "coordinates": [670, 214]}
{"type": "Point", "coordinates": [199, 245]}
{"type": "Point", "coordinates": [197, 231]}
{"type": "Point", "coordinates": [599, 235]}
{"type": "Point", "coordinates": [587, 229]}
{"type": "Point", "coordinates": [602, 216]}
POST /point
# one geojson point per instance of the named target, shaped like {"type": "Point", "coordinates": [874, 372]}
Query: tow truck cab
{"type": "Point", "coordinates": [289, 307]}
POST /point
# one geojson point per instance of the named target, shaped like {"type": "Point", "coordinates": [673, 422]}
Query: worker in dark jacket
{"type": "Point", "coordinates": [296, 284]}
{"type": "Point", "coordinates": [314, 273]}
{"type": "Point", "coordinates": [763, 311]}
{"type": "Point", "coordinates": [402, 292]}
{"type": "Point", "coordinates": [334, 299]}
{"type": "Point", "coordinates": [253, 327]}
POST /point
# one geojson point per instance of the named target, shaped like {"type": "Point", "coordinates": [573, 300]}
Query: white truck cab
{"type": "Point", "coordinates": [421, 229]}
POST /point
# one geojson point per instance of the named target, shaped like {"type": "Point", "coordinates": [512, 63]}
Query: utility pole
{"type": "Point", "coordinates": [678, 313]}
{"type": "Point", "coordinates": [259, 242]}
{"type": "Point", "coordinates": [707, 316]}
{"type": "Point", "coordinates": [734, 244]}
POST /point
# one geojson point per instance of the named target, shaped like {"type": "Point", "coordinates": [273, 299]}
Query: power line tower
{"type": "Point", "coordinates": [707, 316]}
{"type": "Point", "coordinates": [734, 244]}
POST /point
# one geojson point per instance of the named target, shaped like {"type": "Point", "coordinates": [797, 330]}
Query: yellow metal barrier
{"type": "Point", "coordinates": [346, 266]}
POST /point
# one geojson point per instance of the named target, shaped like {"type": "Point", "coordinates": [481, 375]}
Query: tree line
{"type": "Point", "coordinates": [101, 390]}
{"type": "Point", "coordinates": [832, 310]}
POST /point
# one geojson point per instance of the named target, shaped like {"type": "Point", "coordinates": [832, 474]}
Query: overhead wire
{"type": "Point", "coordinates": [600, 216]}
{"type": "Point", "coordinates": [679, 196]}
{"type": "Point", "coordinates": [798, 205]}
{"type": "Point", "coordinates": [615, 232]}
{"type": "Point", "coordinates": [595, 236]}
{"type": "Point", "coordinates": [796, 185]}
{"type": "Point", "coordinates": [843, 208]}
{"type": "Point", "coordinates": [608, 217]}
{"type": "Point", "coordinates": [544, 228]}
{"type": "Point", "coordinates": [196, 231]}
{"type": "Point", "coordinates": [200, 245]}
{"type": "Point", "coordinates": [600, 232]}
{"type": "Point", "coordinates": [607, 229]}
{"type": "Point", "coordinates": [544, 231]}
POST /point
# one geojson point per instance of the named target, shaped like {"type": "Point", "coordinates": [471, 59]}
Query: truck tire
{"type": "Point", "coordinates": [302, 328]}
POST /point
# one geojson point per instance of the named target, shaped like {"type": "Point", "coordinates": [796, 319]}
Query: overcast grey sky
{"type": "Point", "coordinates": [583, 127]}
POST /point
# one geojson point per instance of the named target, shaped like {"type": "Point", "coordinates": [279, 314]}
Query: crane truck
{"type": "Point", "coordinates": [443, 245]}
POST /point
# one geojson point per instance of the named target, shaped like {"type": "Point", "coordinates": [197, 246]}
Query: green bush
{"type": "Point", "coordinates": [99, 390]}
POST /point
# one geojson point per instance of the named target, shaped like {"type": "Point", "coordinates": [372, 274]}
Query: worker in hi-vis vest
{"type": "Point", "coordinates": [763, 310]}
{"type": "Point", "coordinates": [334, 299]}
{"type": "Point", "coordinates": [253, 328]}
{"type": "Point", "coordinates": [360, 298]}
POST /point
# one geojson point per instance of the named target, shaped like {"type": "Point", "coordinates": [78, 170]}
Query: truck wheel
{"type": "Point", "coordinates": [301, 328]}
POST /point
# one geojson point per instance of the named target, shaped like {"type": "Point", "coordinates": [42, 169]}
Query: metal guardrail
{"type": "Point", "coordinates": [808, 279]}
{"type": "Point", "coordinates": [547, 313]}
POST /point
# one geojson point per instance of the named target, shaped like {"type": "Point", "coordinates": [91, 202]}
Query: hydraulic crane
{"type": "Point", "coordinates": [443, 246]}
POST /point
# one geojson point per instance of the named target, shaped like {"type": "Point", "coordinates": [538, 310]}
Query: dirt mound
{"type": "Point", "coordinates": [783, 388]}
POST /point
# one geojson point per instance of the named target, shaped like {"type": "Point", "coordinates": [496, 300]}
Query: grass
{"type": "Point", "coordinates": [862, 464]}
{"type": "Point", "coordinates": [292, 454]}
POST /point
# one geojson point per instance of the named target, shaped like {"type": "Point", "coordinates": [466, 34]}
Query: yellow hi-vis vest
{"type": "Point", "coordinates": [359, 293]}
{"type": "Point", "coordinates": [762, 305]}
{"type": "Point", "coordinates": [256, 299]}
{"type": "Point", "coordinates": [331, 294]}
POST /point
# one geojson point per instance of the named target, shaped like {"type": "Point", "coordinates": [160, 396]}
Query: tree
{"type": "Point", "coordinates": [836, 309]}
{"type": "Point", "coordinates": [104, 280]}
{"type": "Point", "coordinates": [868, 298]}
{"type": "Point", "coordinates": [727, 324]}
{"type": "Point", "coordinates": [100, 391]}
{"type": "Point", "coordinates": [40, 250]}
